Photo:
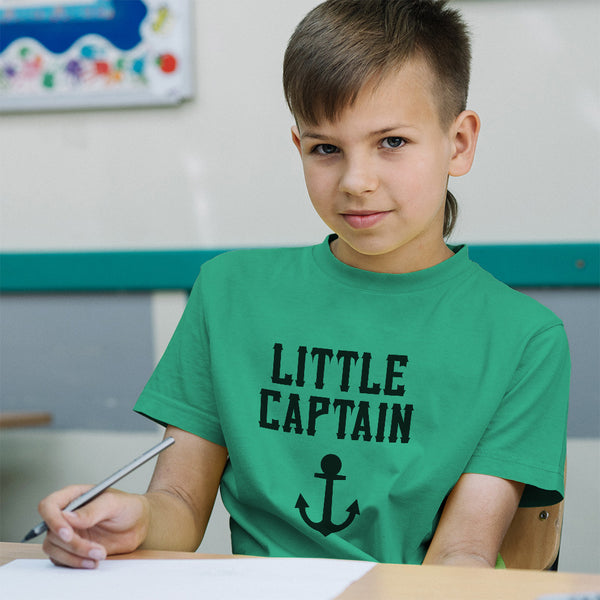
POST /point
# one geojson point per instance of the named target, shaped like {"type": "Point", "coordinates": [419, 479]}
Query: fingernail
{"type": "Point", "coordinates": [65, 534]}
{"type": "Point", "coordinates": [88, 564]}
{"type": "Point", "coordinates": [97, 554]}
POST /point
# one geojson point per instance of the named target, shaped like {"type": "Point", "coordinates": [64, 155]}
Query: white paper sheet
{"type": "Point", "coordinates": [222, 579]}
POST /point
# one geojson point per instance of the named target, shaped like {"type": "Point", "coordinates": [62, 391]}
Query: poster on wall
{"type": "Point", "coordinates": [66, 54]}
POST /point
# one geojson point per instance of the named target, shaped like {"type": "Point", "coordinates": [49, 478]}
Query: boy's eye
{"type": "Point", "coordinates": [393, 142]}
{"type": "Point", "coordinates": [325, 149]}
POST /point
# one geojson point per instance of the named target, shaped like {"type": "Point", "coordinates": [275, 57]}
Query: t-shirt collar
{"type": "Point", "coordinates": [456, 266]}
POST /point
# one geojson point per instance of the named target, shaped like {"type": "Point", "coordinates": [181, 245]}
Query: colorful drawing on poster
{"type": "Point", "coordinates": [91, 54]}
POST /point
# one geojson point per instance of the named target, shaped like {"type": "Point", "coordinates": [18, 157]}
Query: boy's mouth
{"type": "Point", "coordinates": [364, 219]}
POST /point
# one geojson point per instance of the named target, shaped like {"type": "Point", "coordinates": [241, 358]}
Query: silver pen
{"type": "Point", "coordinates": [103, 485]}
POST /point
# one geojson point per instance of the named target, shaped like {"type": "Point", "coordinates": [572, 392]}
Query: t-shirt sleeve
{"type": "Point", "coordinates": [179, 391]}
{"type": "Point", "coordinates": [526, 439]}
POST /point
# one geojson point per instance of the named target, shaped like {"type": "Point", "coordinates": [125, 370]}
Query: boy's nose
{"type": "Point", "coordinates": [358, 178]}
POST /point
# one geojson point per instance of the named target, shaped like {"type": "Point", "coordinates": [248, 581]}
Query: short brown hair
{"type": "Point", "coordinates": [341, 45]}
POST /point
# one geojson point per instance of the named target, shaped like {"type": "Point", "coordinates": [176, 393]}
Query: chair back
{"type": "Point", "coordinates": [533, 538]}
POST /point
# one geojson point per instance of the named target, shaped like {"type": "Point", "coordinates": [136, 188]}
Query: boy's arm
{"type": "Point", "coordinates": [475, 519]}
{"type": "Point", "coordinates": [172, 515]}
{"type": "Point", "coordinates": [182, 492]}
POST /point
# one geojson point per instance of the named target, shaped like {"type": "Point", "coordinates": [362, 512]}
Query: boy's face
{"type": "Point", "coordinates": [377, 175]}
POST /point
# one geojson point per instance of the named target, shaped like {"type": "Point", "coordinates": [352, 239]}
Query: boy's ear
{"type": "Point", "coordinates": [296, 138]}
{"type": "Point", "coordinates": [464, 131]}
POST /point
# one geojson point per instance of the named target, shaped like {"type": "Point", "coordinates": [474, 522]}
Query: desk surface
{"type": "Point", "coordinates": [24, 419]}
{"type": "Point", "coordinates": [387, 582]}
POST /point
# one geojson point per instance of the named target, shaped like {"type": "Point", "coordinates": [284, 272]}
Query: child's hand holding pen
{"type": "Point", "coordinates": [113, 524]}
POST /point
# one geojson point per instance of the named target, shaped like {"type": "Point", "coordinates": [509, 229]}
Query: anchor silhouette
{"type": "Point", "coordinates": [331, 466]}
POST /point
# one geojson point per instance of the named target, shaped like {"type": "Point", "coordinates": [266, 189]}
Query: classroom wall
{"type": "Point", "coordinates": [220, 171]}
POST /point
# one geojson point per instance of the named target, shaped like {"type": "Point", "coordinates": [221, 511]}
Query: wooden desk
{"type": "Point", "coordinates": [409, 582]}
{"type": "Point", "coordinates": [24, 419]}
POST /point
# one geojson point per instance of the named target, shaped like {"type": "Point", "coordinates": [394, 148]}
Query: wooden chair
{"type": "Point", "coordinates": [533, 538]}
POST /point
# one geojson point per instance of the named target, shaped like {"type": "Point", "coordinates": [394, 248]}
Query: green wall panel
{"type": "Point", "coordinates": [533, 265]}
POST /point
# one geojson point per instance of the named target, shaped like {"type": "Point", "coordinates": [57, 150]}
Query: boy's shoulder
{"type": "Point", "coordinates": [514, 304]}
{"type": "Point", "coordinates": [244, 258]}
{"type": "Point", "coordinates": [247, 264]}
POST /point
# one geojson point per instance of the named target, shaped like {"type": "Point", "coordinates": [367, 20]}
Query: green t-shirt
{"type": "Point", "coordinates": [351, 402]}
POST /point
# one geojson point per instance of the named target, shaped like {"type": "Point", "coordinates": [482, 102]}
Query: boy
{"type": "Point", "coordinates": [377, 396]}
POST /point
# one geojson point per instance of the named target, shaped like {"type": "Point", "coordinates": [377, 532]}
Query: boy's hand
{"type": "Point", "coordinates": [113, 523]}
{"type": "Point", "coordinates": [172, 515]}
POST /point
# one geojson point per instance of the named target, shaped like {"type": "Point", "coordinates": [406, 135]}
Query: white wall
{"type": "Point", "coordinates": [220, 171]}
{"type": "Point", "coordinates": [536, 86]}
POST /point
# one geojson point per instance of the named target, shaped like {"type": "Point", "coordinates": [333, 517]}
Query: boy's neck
{"type": "Point", "coordinates": [403, 260]}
